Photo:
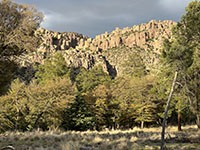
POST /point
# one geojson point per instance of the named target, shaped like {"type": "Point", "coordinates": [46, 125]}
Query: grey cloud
{"type": "Point", "coordinates": [174, 5]}
{"type": "Point", "coordinates": [92, 17]}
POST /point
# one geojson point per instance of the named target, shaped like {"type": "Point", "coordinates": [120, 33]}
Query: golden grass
{"type": "Point", "coordinates": [133, 139]}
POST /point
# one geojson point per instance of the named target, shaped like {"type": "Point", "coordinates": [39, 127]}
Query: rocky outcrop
{"type": "Point", "coordinates": [144, 35]}
{"type": "Point", "coordinates": [88, 59]}
{"type": "Point", "coordinates": [54, 41]}
{"type": "Point", "coordinates": [108, 50]}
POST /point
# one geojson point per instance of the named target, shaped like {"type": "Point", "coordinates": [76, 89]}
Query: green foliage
{"type": "Point", "coordinates": [7, 72]}
{"type": "Point", "coordinates": [134, 66]}
{"type": "Point", "coordinates": [18, 23]}
{"type": "Point", "coordinates": [103, 105]}
{"type": "Point", "coordinates": [136, 103]}
{"type": "Point", "coordinates": [78, 116]}
{"type": "Point", "coordinates": [53, 67]}
{"type": "Point", "coordinates": [178, 54]}
{"type": "Point", "coordinates": [13, 107]}
{"type": "Point", "coordinates": [36, 105]}
{"type": "Point", "coordinates": [48, 101]}
{"type": "Point", "coordinates": [135, 97]}
{"type": "Point", "coordinates": [160, 92]}
{"type": "Point", "coordinates": [144, 103]}
{"type": "Point", "coordinates": [182, 53]}
{"type": "Point", "coordinates": [88, 80]}
{"type": "Point", "coordinates": [123, 95]}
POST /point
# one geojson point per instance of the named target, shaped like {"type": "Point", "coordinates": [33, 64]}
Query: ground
{"type": "Point", "coordinates": [133, 139]}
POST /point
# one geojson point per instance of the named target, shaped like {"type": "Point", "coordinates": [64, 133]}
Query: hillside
{"type": "Point", "coordinates": [110, 50]}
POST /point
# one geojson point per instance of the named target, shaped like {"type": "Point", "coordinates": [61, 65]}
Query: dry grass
{"type": "Point", "coordinates": [134, 139]}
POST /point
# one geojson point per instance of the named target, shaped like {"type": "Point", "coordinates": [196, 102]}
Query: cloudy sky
{"type": "Point", "coordinates": [93, 17]}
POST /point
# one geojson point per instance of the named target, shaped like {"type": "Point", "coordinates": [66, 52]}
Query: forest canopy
{"type": "Point", "coordinates": [59, 95]}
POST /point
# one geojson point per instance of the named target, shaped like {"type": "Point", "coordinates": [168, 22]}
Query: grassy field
{"type": "Point", "coordinates": [134, 139]}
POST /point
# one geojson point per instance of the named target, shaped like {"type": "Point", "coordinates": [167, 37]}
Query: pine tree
{"type": "Point", "coordinates": [54, 66]}
{"type": "Point", "coordinates": [182, 53]}
{"type": "Point", "coordinates": [87, 80]}
{"type": "Point", "coordinates": [78, 116]}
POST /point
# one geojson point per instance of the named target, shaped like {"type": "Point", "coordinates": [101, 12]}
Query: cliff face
{"type": "Point", "coordinates": [142, 35]}
{"type": "Point", "coordinates": [109, 50]}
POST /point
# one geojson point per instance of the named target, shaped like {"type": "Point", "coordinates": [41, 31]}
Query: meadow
{"type": "Point", "coordinates": [133, 139]}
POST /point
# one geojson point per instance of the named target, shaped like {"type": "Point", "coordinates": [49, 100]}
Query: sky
{"type": "Point", "coordinates": [94, 17]}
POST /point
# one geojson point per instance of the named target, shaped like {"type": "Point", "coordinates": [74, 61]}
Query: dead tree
{"type": "Point", "coordinates": [166, 110]}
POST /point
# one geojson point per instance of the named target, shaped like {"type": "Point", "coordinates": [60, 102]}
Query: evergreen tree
{"type": "Point", "coordinates": [134, 65]}
{"type": "Point", "coordinates": [78, 116]}
{"type": "Point", "coordinates": [136, 103]}
{"type": "Point", "coordinates": [87, 80]}
{"type": "Point", "coordinates": [53, 67]}
{"type": "Point", "coordinates": [182, 53]}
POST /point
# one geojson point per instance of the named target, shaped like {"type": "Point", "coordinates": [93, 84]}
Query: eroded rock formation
{"type": "Point", "coordinates": [108, 50]}
{"type": "Point", "coordinates": [151, 33]}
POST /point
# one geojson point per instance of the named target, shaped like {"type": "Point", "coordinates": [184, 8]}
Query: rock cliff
{"type": "Point", "coordinates": [144, 35]}
{"type": "Point", "coordinates": [109, 50]}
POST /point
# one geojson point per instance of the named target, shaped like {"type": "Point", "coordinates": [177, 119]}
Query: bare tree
{"type": "Point", "coordinates": [166, 110]}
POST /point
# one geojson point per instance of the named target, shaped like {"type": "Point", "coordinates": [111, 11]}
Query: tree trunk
{"type": "Point", "coordinates": [166, 110]}
{"type": "Point", "coordinates": [37, 120]}
{"type": "Point", "coordinates": [198, 121]}
{"type": "Point", "coordinates": [179, 120]}
{"type": "Point", "coordinates": [142, 124]}
{"type": "Point", "coordinates": [17, 118]}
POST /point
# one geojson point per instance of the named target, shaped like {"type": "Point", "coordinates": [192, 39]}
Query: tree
{"type": "Point", "coordinates": [78, 116]}
{"type": "Point", "coordinates": [136, 101]}
{"type": "Point", "coordinates": [87, 80]}
{"type": "Point", "coordinates": [26, 107]}
{"type": "Point", "coordinates": [182, 52]}
{"type": "Point", "coordinates": [53, 67]}
{"type": "Point", "coordinates": [103, 106]}
{"type": "Point", "coordinates": [134, 66]}
{"type": "Point", "coordinates": [14, 107]}
{"type": "Point", "coordinates": [132, 92]}
{"type": "Point", "coordinates": [48, 101]}
{"type": "Point", "coordinates": [123, 94]}
{"type": "Point", "coordinates": [144, 104]}
{"type": "Point", "coordinates": [18, 23]}
{"type": "Point", "coordinates": [7, 72]}
{"type": "Point", "coordinates": [160, 92]}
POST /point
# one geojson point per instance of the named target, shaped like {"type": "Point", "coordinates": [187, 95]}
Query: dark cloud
{"type": "Point", "coordinates": [92, 17]}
